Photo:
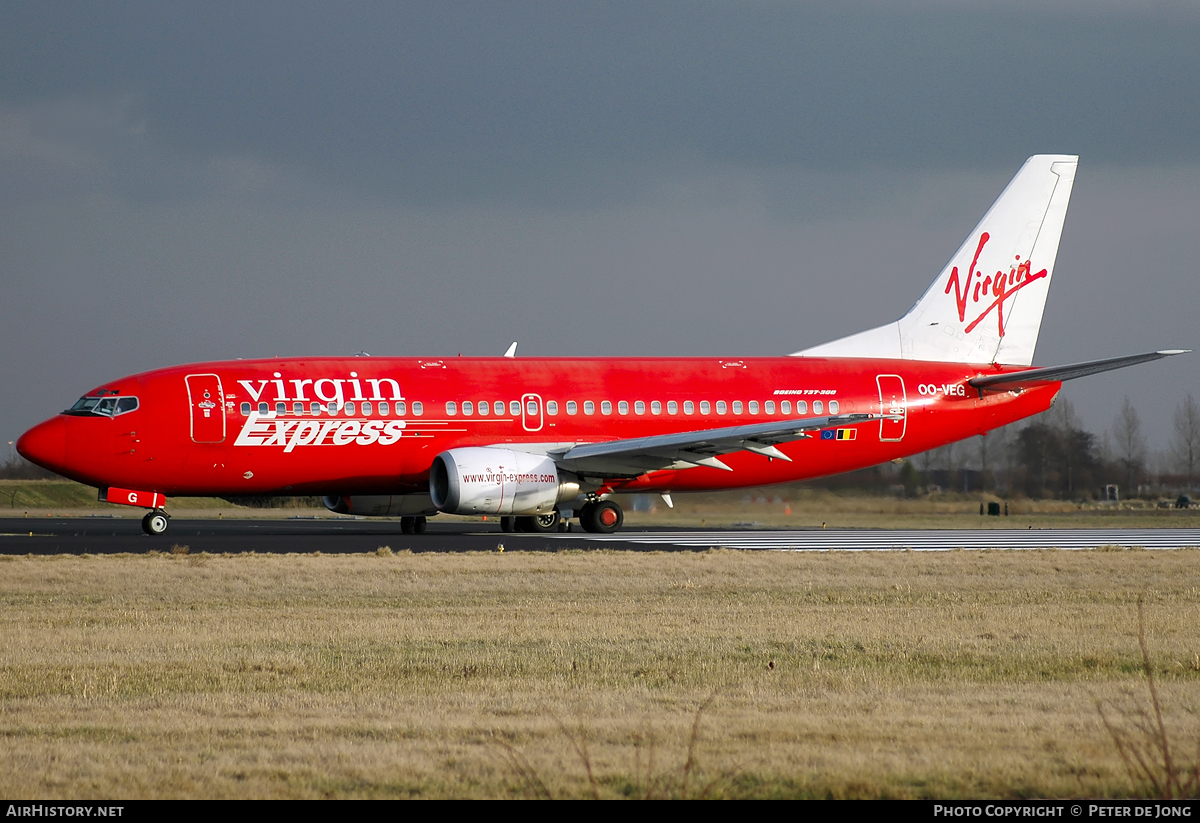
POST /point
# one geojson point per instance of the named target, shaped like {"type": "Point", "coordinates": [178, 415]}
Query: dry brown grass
{"type": "Point", "coordinates": [393, 674]}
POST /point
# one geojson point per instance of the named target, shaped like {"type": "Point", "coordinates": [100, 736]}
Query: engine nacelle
{"type": "Point", "coordinates": [380, 505]}
{"type": "Point", "coordinates": [497, 481]}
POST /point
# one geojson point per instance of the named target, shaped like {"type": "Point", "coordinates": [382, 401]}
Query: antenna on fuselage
{"type": "Point", "coordinates": [512, 350]}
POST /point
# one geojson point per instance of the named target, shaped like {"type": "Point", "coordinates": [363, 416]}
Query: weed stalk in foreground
{"type": "Point", "coordinates": [649, 781]}
{"type": "Point", "coordinates": [1146, 748]}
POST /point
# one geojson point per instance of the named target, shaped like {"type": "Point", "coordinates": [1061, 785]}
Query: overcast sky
{"type": "Point", "coordinates": [190, 181]}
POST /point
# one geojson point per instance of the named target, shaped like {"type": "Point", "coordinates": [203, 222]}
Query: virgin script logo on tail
{"type": "Point", "coordinates": [998, 287]}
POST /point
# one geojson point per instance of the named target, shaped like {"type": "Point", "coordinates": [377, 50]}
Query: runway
{"type": "Point", "coordinates": [912, 540]}
{"type": "Point", "coordinates": [101, 535]}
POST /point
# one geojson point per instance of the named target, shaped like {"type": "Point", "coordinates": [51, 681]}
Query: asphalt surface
{"type": "Point", "coordinates": [105, 535]}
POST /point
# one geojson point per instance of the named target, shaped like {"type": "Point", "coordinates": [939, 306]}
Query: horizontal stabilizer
{"type": "Point", "coordinates": [1057, 374]}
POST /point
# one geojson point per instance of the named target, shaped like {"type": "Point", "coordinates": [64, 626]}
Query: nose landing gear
{"type": "Point", "coordinates": [155, 522]}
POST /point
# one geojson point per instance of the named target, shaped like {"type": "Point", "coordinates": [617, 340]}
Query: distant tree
{"type": "Point", "coordinates": [21, 469]}
{"type": "Point", "coordinates": [982, 440]}
{"type": "Point", "coordinates": [1129, 445]}
{"type": "Point", "coordinates": [1035, 449]}
{"type": "Point", "coordinates": [1065, 426]}
{"type": "Point", "coordinates": [1002, 459]}
{"type": "Point", "coordinates": [1053, 455]}
{"type": "Point", "coordinates": [910, 478]}
{"type": "Point", "coordinates": [1187, 437]}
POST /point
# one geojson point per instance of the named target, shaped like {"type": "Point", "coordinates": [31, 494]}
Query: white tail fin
{"type": "Point", "coordinates": [986, 305]}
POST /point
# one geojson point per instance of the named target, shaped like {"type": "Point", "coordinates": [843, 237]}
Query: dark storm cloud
{"type": "Point", "coordinates": [437, 102]}
{"type": "Point", "coordinates": [182, 182]}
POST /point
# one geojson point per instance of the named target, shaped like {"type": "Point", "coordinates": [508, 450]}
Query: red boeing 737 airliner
{"type": "Point", "coordinates": [545, 439]}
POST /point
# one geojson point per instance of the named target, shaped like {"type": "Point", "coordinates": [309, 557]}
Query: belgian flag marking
{"type": "Point", "coordinates": [839, 434]}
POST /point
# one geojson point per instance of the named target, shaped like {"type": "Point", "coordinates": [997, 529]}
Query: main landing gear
{"type": "Point", "coordinates": [596, 516]}
{"type": "Point", "coordinates": [156, 522]}
{"type": "Point", "coordinates": [412, 525]}
{"type": "Point", "coordinates": [535, 524]}
{"type": "Point", "coordinates": [601, 517]}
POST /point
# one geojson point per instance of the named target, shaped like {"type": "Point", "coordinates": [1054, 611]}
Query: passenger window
{"type": "Point", "coordinates": [720, 407]}
{"type": "Point", "coordinates": [314, 407]}
{"type": "Point", "coordinates": [818, 407]}
{"type": "Point", "coordinates": [589, 407]}
{"type": "Point", "coordinates": [689, 407]}
{"type": "Point", "coordinates": [245, 410]}
{"type": "Point", "coordinates": [451, 408]}
{"type": "Point", "coordinates": [297, 408]}
{"type": "Point", "coordinates": [331, 407]}
{"type": "Point", "coordinates": [263, 408]}
{"type": "Point", "coordinates": [754, 407]}
{"type": "Point", "coordinates": [605, 407]}
{"type": "Point", "coordinates": [349, 408]}
{"type": "Point", "coordinates": [468, 408]}
{"type": "Point", "coordinates": [400, 408]}
{"type": "Point", "coordinates": [623, 407]}
{"type": "Point", "coordinates": [531, 407]}
{"type": "Point", "coordinates": [639, 407]}
{"type": "Point", "coordinates": [801, 407]}
{"type": "Point", "coordinates": [281, 408]}
{"type": "Point", "coordinates": [786, 406]}
{"type": "Point", "coordinates": [498, 407]}
{"type": "Point", "coordinates": [705, 408]}
{"type": "Point", "coordinates": [571, 407]}
{"type": "Point", "coordinates": [366, 407]}
{"type": "Point", "coordinates": [383, 408]}
{"type": "Point", "coordinates": [418, 409]}
{"type": "Point", "coordinates": [737, 406]}
{"type": "Point", "coordinates": [769, 407]}
{"type": "Point", "coordinates": [655, 407]}
{"type": "Point", "coordinates": [551, 407]}
{"type": "Point", "coordinates": [833, 407]}
{"type": "Point", "coordinates": [483, 407]}
{"type": "Point", "coordinates": [514, 407]}
{"type": "Point", "coordinates": [672, 407]}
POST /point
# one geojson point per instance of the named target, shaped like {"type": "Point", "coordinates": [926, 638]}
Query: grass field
{"type": "Point", "coordinates": [499, 675]}
{"type": "Point", "coordinates": [775, 508]}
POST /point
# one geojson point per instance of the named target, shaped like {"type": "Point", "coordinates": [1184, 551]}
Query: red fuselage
{"type": "Point", "coordinates": [369, 425]}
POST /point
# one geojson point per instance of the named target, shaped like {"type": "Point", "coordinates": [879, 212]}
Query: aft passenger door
{"type": "Point", "coordinates": [206, 402]}
{"type": "Point", "coordinates": [892, 401]}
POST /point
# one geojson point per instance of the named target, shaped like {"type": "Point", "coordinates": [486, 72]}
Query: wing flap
{"type": "Point", "coordinates": [692, 449]}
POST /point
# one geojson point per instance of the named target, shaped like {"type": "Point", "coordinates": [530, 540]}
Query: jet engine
{"type": "Point", "coordinates": [498, 481]}
{"type": "Point", "coordinates": [380, 505]}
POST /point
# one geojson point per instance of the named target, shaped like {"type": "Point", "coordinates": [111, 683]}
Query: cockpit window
{"type": "Point", "coordinates": [110, 406]}
{"type": "Point", "coordinates": [84, 404]}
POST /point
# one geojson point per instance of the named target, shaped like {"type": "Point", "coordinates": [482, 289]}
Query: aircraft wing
{"type": "Point", "coordinates": [686, 450]}
{"type": "Point", "coordinates": [1054, 374]}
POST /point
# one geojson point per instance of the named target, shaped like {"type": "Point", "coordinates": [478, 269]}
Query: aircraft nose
{"type": "Point", "coordinates": [46, 444]}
